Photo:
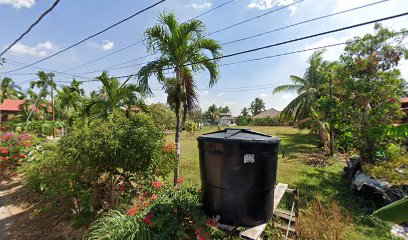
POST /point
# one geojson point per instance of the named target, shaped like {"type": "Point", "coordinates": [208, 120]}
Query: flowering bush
{"type": "Point", "coordinates": [103, 161]}
{"type": "Point", "coordinates": [13, 147]}
{"type": "Point", "coordinates": [163, 211]}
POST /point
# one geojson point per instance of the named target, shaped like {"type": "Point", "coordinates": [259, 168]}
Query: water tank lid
{"type": "Point", "coordinates": [238, 134]}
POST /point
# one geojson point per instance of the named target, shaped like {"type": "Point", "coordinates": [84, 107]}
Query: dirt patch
{"type": "Point", "coordinates": [23, 215]}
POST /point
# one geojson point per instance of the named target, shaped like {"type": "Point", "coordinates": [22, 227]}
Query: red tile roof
{"type": "Point", "coordinates": [11, 105]}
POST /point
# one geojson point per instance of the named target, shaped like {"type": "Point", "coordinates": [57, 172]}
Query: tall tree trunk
{"type": "Point", "coordinates": [52, 104]}
{"type": "Point", "coordinates": [184, 120]}
{"type": "Point", "coordinates": [177, 140]}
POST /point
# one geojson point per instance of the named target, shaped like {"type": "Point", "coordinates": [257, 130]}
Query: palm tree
{"type": "Point", "coordinates": [182, 47]}
{"type": "Point", "coordinates": [67, 100]}
{"type": "Point", "coordinates": [10, 90]}
{"type": "Point", "coordinates": [46, 81]}
{"type": "Point", "coordinates": [309, 89]}
{"type": "Point", "coordinates": [114, 95]}
{"type": "Point", "coordinates": [257, 106]}
{"type": "Point", "coordinates": [213, 113]}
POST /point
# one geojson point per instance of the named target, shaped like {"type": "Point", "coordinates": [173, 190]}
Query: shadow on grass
{"type": "Point", "coordinates": [299, 143]}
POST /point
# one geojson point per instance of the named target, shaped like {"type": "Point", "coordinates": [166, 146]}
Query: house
{"type": "Point", "coordinates": [10, 108]}
{"type": "Point", "coordinates": [268, 113]}
{"type": "Point", "coordinates": [226, 119]}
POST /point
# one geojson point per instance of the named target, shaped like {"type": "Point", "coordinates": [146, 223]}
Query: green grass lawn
{"type": "Point", "coordinates": [327, 182]}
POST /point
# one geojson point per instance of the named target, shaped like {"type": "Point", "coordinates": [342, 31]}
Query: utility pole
{"type": "Point", "coordinates": [331, 117]}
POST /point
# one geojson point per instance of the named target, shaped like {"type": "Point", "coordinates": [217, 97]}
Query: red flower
{"type": "Point", "coordinates": [180, 180]}
{"type": "Point", "coordinates": [153, 197]}
{"type": "Point", "coordinates": [22, 155]}
{"type": "Point", "coordinates": [148, 218]}
{"type": "Point", "coordinates": [157, 185]}
{"type": "Point", "coordinates": [146, 204]}
{"type": "Point", "coordinates": [27, 144]}
{"type": "Point", "coordinates": [133, 211]}
{"type": "Point", "coordinates": [4, 151]}
{"type": "Point", "coordinates": [3, 129]}
{"type": "Point", "coordinates": [212, 222]}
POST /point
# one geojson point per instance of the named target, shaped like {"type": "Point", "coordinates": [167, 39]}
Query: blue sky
{"type": "Point", "coordinates": [73, 20]}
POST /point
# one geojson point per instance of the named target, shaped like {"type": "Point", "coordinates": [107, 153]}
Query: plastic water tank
{"type": "Point", "coordinates": [238, 175]}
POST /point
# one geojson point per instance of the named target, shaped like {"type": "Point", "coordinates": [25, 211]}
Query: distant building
{"type": "Point", "coordinates": [13, 107]}
{"type": "Point", "coordinates": [225, 119]}
{"type": "Point", "coordinates": [268, 113]}
{"type": "Point", "coordinates": [10, 108]}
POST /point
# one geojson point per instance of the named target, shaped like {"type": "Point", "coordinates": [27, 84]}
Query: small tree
{"type": "Point", "coordinates": [370, 89]}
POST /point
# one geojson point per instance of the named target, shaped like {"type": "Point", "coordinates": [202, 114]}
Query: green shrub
{"type": "Point", "coordinates": [94, 165]}
{"type": "Point", "coordinates": [393, 169]}
{"type": "Point", "coordinates": [163, 116]}
{"type": "Point", "coordinates": [191, 126]}
{"type": "Point", "coordinates": [267, 121]}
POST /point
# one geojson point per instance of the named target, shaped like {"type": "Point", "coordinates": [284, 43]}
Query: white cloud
{"type": "Point", "coordinates": [18, 3]}
{"type": "Point", "coordinates": [105, 45]}
{"type": "Point", "coordinates": [288, 96]}
{"type": "Point", "coordinates": [263, 95]}
{"type": "Point", "coordinates": [40, 50]}
{"type": "Point", "coordinates": [199, 4]}
{"type": "Point", "coordinates": [268, 4]}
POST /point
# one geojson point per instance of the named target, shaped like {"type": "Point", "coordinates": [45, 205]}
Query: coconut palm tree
{"type": "Point", "coordinates": [10, 90]}
{"type": "Point", "coordinates": [181, 47]}
{"type": "Point", "coordinates": [213, 113]}
{"type": "Point", "coordinates": [309, 89]}
{"type": "Point", "coordinates": [44, 83]}
{"type": "Point", "coordinates": [114, 95]}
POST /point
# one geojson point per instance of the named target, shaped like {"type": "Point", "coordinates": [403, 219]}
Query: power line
{"type": "Point", "coordinates": [249, 37]}
{"type": "Point", "coordinates": [309, 36]}
{"type": "Point", "coordinates": [89, 37]}
{"type": "Point", "coordinates": [141, 41]}
{"type": "Point", "coordinates": [256, 17]}
{"type": "Point", "coordinates": [290, 41]}
{"type": "Point", "coordinates": [105, 56]}
{"type": "Point", "coordinates": [305, 21]}
{"type": "Point", "coordinates": [16, 63]}
{"type": "Point", "coordinates": [31, 27]}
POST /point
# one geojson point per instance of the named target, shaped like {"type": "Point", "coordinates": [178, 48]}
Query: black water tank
{"type": "Point", "coordinates": [238, 175]}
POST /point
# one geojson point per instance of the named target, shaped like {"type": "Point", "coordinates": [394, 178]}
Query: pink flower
{"type": "Point", "coordinates": [153, 197]}
{"type": "Point", "coordinates": [4, 151]}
